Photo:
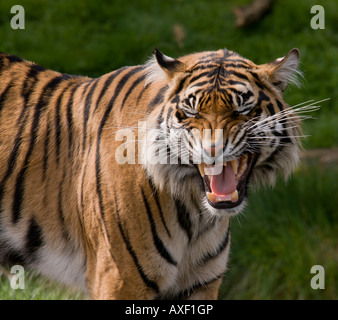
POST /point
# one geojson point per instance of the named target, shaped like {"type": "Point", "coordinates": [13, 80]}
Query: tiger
{"type": "Point", "coordinates": [77, 209]}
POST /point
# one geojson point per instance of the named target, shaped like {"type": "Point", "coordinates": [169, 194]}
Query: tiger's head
{"type": "Point", "coordinates": [220, 125]}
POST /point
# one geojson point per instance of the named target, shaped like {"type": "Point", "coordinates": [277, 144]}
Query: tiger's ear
{"type": "Point", "coordinates": [169, 65]}
{"type": "Point", "coordinates": [162, 68]}
{"type": "Point", "coordinates": [283, 71]}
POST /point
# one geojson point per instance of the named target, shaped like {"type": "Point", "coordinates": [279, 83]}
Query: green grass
{"type": "Point", "coordinates": [37, 288]}
{"type": "Point", "coordinates": [282, 234]}
{"type": "Point", "coordinates": [283, 231]}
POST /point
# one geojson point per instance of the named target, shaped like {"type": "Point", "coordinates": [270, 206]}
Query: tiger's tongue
{"type": "Point", "coordinates": [225, 182]}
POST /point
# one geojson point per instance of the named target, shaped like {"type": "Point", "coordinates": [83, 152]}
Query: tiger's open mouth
{"type": "Point", "coordinates": [225, 185]}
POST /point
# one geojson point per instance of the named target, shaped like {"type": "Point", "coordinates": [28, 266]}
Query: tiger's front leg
{"type": "Point", "coordinates": [208, 292]}
{"type": "Point", "coordinates": [105, 281]}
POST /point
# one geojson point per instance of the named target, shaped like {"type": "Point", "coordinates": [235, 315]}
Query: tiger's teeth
{"type": "Point", "coordinates": [211, 197]}
{"type": "Point", "coordinates": [234, 196]}
{"type": "Point", "coordinates": [241, 171]}
{"type": "Point", "coordinates": [224, 163]}
{"type": "Point", "coordinates": [201, 169]}
{"type": "Point", "coordinates": [234, 164]}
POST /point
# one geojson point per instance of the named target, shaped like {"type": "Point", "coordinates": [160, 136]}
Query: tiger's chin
{"type": "Point", "coordinates": [225, 185]}
{"type": "Point", "coordinates": [224, 212]}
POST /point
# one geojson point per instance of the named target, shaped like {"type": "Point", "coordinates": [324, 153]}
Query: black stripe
{"type": "Point", "coordinates": [34, 237]}
{"type": "Point", "coordinates": [37, 68]}
{"type": "Point", "coordinates": [240, 60]}
{"type": "Point", "coordinates": [224, 99]}
{"type": "Point", "coordinates": [184, 294]}
{"type": "Point", "coordinates": [209, 64]}
{"type": "Point", "coordinates": [183, 217]}
{"type": "Point", "coordinates": [170, 111]}
{"type": "Point", "coordinates": [210, 55]}
{"type": "Point", "coordinates": [65, 234]}
{"type": "Point", "coordinates": [273, 155]}
{"type": "Point", "coordinates": [70, 119]}
{"type": "Point", "coordinates": [237, 74]}
{"type": "Point", "coordinates": [211, 255]}
{"type": "Point", "coordinates": [3, 95]}
{"type": "Point", "coordinates": [157, 200]}
{"type": "Point", "coordinates": [229, 98]}
{"type": "Point", "coordinates": [236, 134]}
{"type": "Point", "coordinates": [19, 186]}
{"type": "Point", "coordinates": [107, 84]}
{"type": "Point", "coordinates": [158, 98]}
{"type": "Point", "coordinates": [12, 256]}
{"type": "Point", "coordinates": [277, 83]}
{"type": "Point", "coordinates": [202, 83]}
{"type": "Point", "coordinates": [257, 80]}
{"type": "Point", "coordinates": [132, 87]}
{"type": "Point", "coordinates": [162, 250]}
{"type": "Point", "coordinates": [182, 85]}
{"type": "Point", "coordinates": [259, 85]}
{"type": "Point", "coordinates": [262, 97]}
{"type": "Point", "coordinates": [235, 82]}
{"type": "Point", "coordinates": [271, 109]}
{"type": "Point", "coordinates": [235, 65]}
{"type": "Point", "coordinates": [141, 93]}
{"type": "Point", "coordinates": [57, 124]}
{"type": "Point", "coordinates": [82, 190]}
{"type": "Point", "coordinates": [175, 100]}
{"type": "Point", "coordinates": [46, 152]}
{"type": "Point", "coordinates": [208, 74]}
{"type": "Point", "coordinates": [2, 61]}
{"type": "Point", "coordinates": [180, 115]}
{"type": "Point", "coordinates": [86, 111]}
{"type": "Point", "coordinates": [160, 116]}
{"type": "Point", "coordinates": [246, 96]}
{"type": "Point", "coordinates": [27, 89]}
{"type": "Point", "coordinates": [280, 105]}
{"type": "Point", "coordinates": [258, 112]}
{"type": "Point", "coordinates": [28, 85]}
{"type": "Point", "coordinates": [206, 100]}
{"type": "Point", "coordinates": [12, 59]}
{"type": "Point", "coordinates": [149, 283]}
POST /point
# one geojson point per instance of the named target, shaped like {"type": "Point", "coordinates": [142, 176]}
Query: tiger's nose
{"type": "Point", "coordinates": [213, 149]}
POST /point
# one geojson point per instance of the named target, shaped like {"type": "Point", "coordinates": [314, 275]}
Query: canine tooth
{"type": "Point", "coordinates": [211, 197]}
{"type": "Point", "coordinates": [234, 164]}
{"type": "Point", "coordinates": [234, 196]}
{"type": "Point", "coordinates": [224, 163]}
{"type": "Point", "coordinates": [201, 169]}
{"type": "Point", "coordinates": [242, 168]}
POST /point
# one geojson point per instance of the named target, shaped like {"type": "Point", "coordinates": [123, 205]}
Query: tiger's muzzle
{"type": "Point", "coordinates": [226, 183]}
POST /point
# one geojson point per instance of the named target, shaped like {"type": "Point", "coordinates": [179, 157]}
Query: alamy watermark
{"type": "Point", "coordinates": [18, 20]}
{"type": "Point", "coordinates": [16, 276]}
{"type": "Point", "coordinates": [170, 147]}
{"type": "Point", "coordinates": [318, 280]}
{"type": "Point", "coordinates": [318, 20]}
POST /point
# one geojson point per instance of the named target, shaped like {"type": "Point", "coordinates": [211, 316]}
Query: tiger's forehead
{"type": "Point", "coordinates": [224, 57]}
{"type": "Point", "coordinates": [218, 70]}
{"type": "Point", "coordinates": [221, 80]}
